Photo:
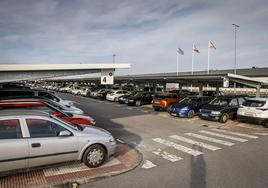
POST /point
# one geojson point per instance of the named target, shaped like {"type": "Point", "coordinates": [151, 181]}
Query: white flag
{"type": "Point", "coordinates": [211, 45]}
{"type": "Point", "coordinates": [180, 51]}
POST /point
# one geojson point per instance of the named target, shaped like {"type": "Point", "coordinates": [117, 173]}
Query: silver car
{"type": "Point", "coordinates": [34, 138]}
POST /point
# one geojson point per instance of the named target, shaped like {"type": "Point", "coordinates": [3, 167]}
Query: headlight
{"type": "Point", "coordinates": [130, 100]}
{"type": "Point", "coordinates": [215, 113]}
{"type": "Point", "coordinates": [185, 108]}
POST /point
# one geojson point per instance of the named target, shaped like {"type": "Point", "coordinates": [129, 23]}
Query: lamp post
{"type": "Point", "coordinates": [235, 31]}
{"type": "Point", "coordinates": [114, 58]}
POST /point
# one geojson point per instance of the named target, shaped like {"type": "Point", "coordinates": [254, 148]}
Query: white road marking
{"type": "Point", "coordinates": [235, 133]}
{"type": "Point", "coordinates": [210, 139]}
{"type": "Point", "coordinates": [118, 105]}
{"type": "Point", "coordinates": [178, 147]}
{"type": "Point", "coordinates": [144, 111]}
{"type": "Point", "coordinates": [120, 141]}
{"type": "Point", "coordinates": [190, 141]}
{"type": "Point", "coordinates": [108, 103]}
{"type": "Point", "coordinates": [166, 155]}
{"type": "Point", "coordinates": [129, 108]}
{"type": "Point", "coordinates": [224, 136]}
{"type": "Point", "coordinates": [148, 164]}
{"type": "Point", "coordinates": [261, 134]}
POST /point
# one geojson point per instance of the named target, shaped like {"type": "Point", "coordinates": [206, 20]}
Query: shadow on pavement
{"type": "Point", "coordinates": [198, 170]}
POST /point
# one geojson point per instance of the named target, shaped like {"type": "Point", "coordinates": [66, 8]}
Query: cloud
{"type": "Point", "coordinates": [143, 33]}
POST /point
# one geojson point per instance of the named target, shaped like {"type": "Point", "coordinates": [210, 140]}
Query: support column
{"type": "Point", "coordinates": [258, 90]}
{"type": "Point", "coordinates": [201, 90]}
{"type": "Point", "coordinates": [217, 90]}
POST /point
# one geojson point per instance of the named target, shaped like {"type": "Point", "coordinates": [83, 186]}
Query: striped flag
{"type": "Point", "coordinates": [180, 51]}
{"type": "Point", "coordinates": [195, 49]}
{"type": "Point", "coordinates": [211, 45]}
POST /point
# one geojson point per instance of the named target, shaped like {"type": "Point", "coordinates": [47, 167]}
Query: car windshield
{"type": "Point", "coordinates": [70, 125]}
{"type": "Point", "coordinates": [254, 103]}
{"type": "Point", "coordinates": [220, 102]}
{"type": "Point", "coordinates": [137, 94]}
{"type": "Point", "coordinates": [188, 100]}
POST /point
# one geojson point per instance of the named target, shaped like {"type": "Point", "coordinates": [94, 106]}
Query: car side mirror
{"type": "Point", "coordinates": [64, 134]}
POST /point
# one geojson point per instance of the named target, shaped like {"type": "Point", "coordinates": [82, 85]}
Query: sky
{"type": "Point", "coordinates": [144, 33]}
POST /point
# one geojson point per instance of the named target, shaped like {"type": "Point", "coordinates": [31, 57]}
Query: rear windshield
{"type": "Point", "coordinates": [188, 100]}
{"type": "Point", "coordinates": [254, 103]}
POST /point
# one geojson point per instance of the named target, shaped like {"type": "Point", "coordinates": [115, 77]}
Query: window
{"type": "Point", "coordinates": [233, 102]}
{"type": "Point", "coordinates": [43, 128]}
{"type": "Point", "coordinates": [10, 129]}
{"type": "Point", "coordinates": [49, 96]}
{"type": "Point", "coordinates": [254, 103]}
{"type": "Point", "coordinates": [241, 101]}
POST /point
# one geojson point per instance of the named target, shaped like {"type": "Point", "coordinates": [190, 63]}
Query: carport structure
{"type": "Point", "coordinates": [254, 77]}
{"type": "Point", "coordinates": [20, 72]}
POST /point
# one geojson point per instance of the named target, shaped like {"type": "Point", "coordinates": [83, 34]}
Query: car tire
{"type": "Point", "coordinates": [191, 114]}
{"type": "Point", "coordinates": [224, 118]}
{"type": "Point", "coordinates": [156, 109]}
{"type": "Point", "coordinates": [116, 99]}
{"type": "Point", "coordinates": [94, 156]}
{"type": "Point", "coordinates": [138, 103]}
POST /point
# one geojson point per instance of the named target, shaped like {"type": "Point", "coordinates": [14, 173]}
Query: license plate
{"type": "Point", "coordinates": [173, 114]}
{"type": "Point", "coordinates": [205, 115]}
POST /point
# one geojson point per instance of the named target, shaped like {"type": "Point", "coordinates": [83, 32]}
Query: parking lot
{"type": "Point", "coordinates": [191, 148]}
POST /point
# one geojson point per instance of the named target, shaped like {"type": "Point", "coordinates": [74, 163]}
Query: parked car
{"type": "Point", "coordinates": [33, 138]}
{"type": "Point", "coordinates": [164, 100]}
{"type": "Point", "coordinates": [254, 110]}
{"type": "Point", "coordinates": [33, 104]}
{"type": "Point", "coordinates": [123, 99]}
{"type": "Point", "coordinates": [102, 95]}
{"type": "Point", "coordinates": [77, 90]}
{"type": "Point", "coordinates": [115, 94]}
{"type": "Point", "coordinates": [140, 98]}
{"type": "Point", "coordinates": [222, 108]}
{"type": "Point", "coordinates": [17, 92]}
{"type": "Point", "coordinates": [189, 106]}
{"type": "Point", "coordinates": [95, 93]}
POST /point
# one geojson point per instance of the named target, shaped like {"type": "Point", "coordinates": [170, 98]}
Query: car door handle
{"type": "Point", "coordinates": [36, 145]}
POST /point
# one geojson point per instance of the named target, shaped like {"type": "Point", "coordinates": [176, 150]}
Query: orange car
{"type": "Point", "coordinates": [163, 101]}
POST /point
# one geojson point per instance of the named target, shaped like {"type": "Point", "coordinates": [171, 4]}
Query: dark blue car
{"type": "Point", "coordinates": [189, 106]}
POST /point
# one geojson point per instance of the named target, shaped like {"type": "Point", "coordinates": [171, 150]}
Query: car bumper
{"type": "Point", "coordinates": [179, 114]}
{"type": "Point", "coordinates": [111, 148]}
{"type": "Point", "coordinates": [249, 119]}
{"type": "Point", "coordinates": [158, 107]}
{"type": "Point", "coordinates": [210, 117]}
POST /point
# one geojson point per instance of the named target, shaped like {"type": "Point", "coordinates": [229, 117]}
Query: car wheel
{"type": "Point", "coordinates": [191, 114]}
{"type": "Point", "coordinates": [224, 118]}
{"type": "Point", "coordinates": [156, 109]}
{"type": "Point", "coordinates": [138, 103]}
{"type": "Point", "coordinates": [94, 156]}
{"type": "Point", "coordinates": [116, 99]}
{"type": "Point", "coordinates": [78, 93]}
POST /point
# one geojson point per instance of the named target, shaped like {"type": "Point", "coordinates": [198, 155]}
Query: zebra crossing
{"type": "Point", "coordinates": [212, 140]}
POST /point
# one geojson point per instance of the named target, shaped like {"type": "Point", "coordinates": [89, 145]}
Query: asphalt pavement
{"type": "Point", "coordinates": [180, 152]}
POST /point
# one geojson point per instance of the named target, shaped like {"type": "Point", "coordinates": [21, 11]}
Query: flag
{"type": "Point", "coordinates": [180, 51]}
{"type": "Point", "coordinates": [196, 49]}
{"type": "Point", "coordinates": [211, 45]}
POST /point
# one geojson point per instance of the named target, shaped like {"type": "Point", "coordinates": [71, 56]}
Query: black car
{"type": "Point", "coordinates": [140, 98]}
{"type": "Point", "coordinates": [102, 94]}
{"type": "Point", "coordinates": [123, 99]}
{"type": "Point", "coordinates": [221, 108]}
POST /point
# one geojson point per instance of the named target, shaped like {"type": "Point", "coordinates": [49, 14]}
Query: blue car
{"type": "Point", "coordinates": [189, 106]}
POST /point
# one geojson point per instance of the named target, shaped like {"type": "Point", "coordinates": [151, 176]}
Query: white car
{"type": "Point", "coordinates": [77, 90]}
{"type": "Point", "coordinates": [254, 110]}
{"type": "Point", "coordinates": [115, 94]}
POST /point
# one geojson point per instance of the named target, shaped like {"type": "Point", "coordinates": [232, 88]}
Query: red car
{"type": "Point", "coordinates": [43, 106]}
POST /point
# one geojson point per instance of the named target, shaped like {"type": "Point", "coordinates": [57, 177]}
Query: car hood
{"type": "Point", "coordinates": [213, 107]}
{"type": "Point", "coordinates": [96, 131]}
{"type": "Point", "coordinates": [179, 105]}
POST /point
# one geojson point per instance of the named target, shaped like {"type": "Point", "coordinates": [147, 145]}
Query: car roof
{"type": "Point", "coordinates": [23, 112]}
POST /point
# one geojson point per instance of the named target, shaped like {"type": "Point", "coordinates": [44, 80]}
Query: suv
{"type": "Point", "coordinates": [163, 101]}
{"type": "Point", "coordinates": [222, 108]}
{"type": "Point", "coordinates": [33, 138]}
{"type": "Point", "coordinates": [254, 110]}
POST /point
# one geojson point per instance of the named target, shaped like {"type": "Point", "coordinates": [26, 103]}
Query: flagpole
{"type": "Point", "coordinates": [177, 63]}
{"type": "Point", "coordinates": [193, 60]}
{"type": "Point", "coordinates": [208, 57]}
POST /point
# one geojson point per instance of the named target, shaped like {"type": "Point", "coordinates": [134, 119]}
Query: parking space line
{"type": "Point", "coordinates": [224, 136]}
{"type": "Point", "coordinates": [210, 139]}
{"type": "Point", "coordinates": [166, 155]}
{"type": "Point", "coordinates": [148, 164]}
{"type": "Point", "coordinates": [235, 133]}
{"type": "Point", "coordinates": [190, 141]}
{"type": "Point", "coordinates": [178, 147]}
{"type": "Point", "coordinates": [120, 141]}
{"type": "Point", "coordinates": [129, 108]}
{"type": "Point", "coordinates": [261, 134]}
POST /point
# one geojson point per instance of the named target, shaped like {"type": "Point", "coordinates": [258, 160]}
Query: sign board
{"type": "Point", "coordinates": [107, 77]}
{"type": "Point", "coordinates": [225, 82]}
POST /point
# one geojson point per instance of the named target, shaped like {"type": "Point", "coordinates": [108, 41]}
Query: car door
{"type": "Point", "coordinates": [14, 148]}
{"type": "Point", "coordinates": [45, 146]}
{"type": "Point", "coordinates": [233, 106]}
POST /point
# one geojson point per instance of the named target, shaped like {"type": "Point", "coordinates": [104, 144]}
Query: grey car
{"type": "Point", "coordinates": [34, 138]}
